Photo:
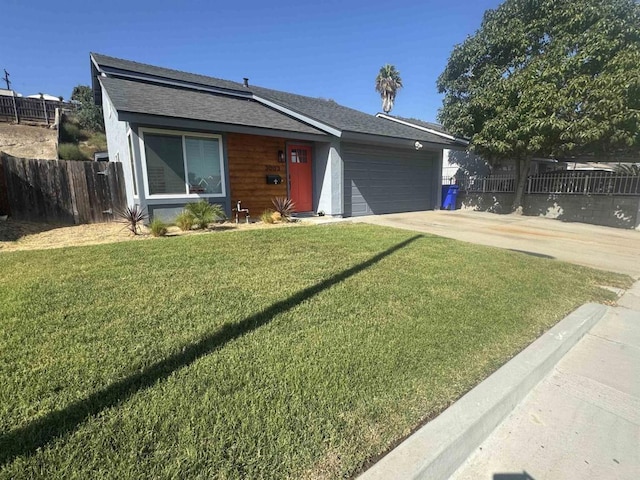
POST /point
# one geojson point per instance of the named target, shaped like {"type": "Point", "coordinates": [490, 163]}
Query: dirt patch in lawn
{"type": "Point", "coordinates": [17, 235]}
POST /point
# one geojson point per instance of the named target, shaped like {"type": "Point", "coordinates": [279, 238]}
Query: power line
{"type": "Point", "coordinates": [6, 79]}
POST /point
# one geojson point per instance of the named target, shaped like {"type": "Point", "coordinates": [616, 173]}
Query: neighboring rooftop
{"type": "Point", "coordinates": [45, 96]}
{"type": "Point", "coordinates": [322, 114]}
{"type": "Point", "coordinates": [8, 93]}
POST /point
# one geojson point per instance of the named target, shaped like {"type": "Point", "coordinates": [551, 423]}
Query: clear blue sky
{"type": "Point", "coordinates": [325, 48]}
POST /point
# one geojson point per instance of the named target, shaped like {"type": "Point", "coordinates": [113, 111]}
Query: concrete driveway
{"type": "Point", "coordinates": [605, 248]}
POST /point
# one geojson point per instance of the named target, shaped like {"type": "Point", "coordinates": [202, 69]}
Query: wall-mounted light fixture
{"type": "Point", "coordinates": [280, 156]}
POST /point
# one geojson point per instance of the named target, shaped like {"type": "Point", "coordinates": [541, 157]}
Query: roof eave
{"type": "Point", "coordinates": [460, 141]}
{"type": "Point", "coordinates": [394, 140]}
{"type": "Point", "coordinates": [149, 119]}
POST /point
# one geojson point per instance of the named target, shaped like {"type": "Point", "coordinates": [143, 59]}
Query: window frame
{"type": "Point", "coordinates": [182, 134]}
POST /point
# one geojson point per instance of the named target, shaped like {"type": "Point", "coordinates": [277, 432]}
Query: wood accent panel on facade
{"type": "Point", "coordinates": [251, 159]}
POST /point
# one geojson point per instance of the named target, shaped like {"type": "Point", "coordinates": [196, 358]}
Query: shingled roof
{"type": "Point", "coordinates": [118, 64]}
{"type": "Point", "coordinates": [147, 98]}
{"type": "Point", "coordinates": [315, 112]}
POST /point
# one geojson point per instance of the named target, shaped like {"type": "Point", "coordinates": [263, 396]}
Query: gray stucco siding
{"type": "Point", "coordinates": [388, 180]}
{"type": "Point", "coordinates": [328, 178]}
{"type": "Point", "coordinates": [167, 211]}
{"type": "Point", "coordinates": [117, 143]}
{"type": "Point", "coordinates": [216, 127]}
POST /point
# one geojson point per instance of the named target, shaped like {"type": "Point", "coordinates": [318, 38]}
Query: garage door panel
{"type": "Point", "coordinates": [385, 180]}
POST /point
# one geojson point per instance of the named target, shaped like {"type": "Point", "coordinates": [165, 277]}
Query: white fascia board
{"type": "Point", "coordinates": [93, 60]}
{"type": "Point", "coordinates": [424, 129]}
{"type": "Point", "coordinates": [298, 116]}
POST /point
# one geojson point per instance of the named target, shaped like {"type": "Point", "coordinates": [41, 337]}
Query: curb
{"type": "Point", "coordinates": [438, 449]}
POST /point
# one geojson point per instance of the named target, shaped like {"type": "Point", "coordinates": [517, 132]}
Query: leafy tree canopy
{"type": "Point", "coordinates": [89, 114]}
{"type": "Point", "coordinates": [548, 78]}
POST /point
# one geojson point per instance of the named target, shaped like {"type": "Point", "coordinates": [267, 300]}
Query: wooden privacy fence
{"type": "Point", "coordinates": [59, 191]}
{"type": "Point", "coordinates": [17, 109]}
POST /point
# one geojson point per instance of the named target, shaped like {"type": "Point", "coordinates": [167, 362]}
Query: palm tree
{"type": "Point", "coordinates": [388, 82]}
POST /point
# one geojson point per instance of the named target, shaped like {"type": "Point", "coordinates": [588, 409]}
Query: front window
{"type": "Point", "coordinates": [183, 164]}
{"type": "Point", "coordinates": [203, 165]}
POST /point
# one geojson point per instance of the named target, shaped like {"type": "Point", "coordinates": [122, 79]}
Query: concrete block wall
{"type": "Point", "coordinates": [485, 202]}
{"type": "Point", "coordinates": [610, 211]}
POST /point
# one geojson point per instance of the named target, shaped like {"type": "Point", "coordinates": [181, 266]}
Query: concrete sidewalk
{"type": "Point", "coordinates": [582, 421]}
{"type": "Point", "coordinates": [576, 415]}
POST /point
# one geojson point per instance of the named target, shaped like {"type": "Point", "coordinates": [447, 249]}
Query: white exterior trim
{"type": "Point", "coordinates": [424, 129]}
{"type": "Point", "coordinates": [182, 134]}
{"type": "Point", "coordinates": [298, 116]}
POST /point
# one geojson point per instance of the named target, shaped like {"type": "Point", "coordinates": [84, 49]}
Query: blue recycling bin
{"type": "Point", "coordinates": [449, 196]}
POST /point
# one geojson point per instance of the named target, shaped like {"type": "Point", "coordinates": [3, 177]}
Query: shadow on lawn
{"type": "Point", "coordinates": [26, 440]}
{"type": "Point", "coordinates": [533, 254]}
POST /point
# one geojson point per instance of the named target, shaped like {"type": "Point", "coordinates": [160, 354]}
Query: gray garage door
{"type": "Point", "coordinates": [387, 180]}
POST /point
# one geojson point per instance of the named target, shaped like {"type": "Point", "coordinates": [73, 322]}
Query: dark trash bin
{"type": "Point", "coordinates": [449, 196]}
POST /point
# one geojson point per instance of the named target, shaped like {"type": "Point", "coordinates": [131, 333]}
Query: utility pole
{"type": "Point", "coordinates": [6, 79]}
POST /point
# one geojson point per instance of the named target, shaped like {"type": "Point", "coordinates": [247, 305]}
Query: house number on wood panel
{"type": "Point", "coordinates": [272, 168]}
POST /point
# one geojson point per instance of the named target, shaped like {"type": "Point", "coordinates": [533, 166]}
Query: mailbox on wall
{"type": "Point", "coordinates": [274, 179]}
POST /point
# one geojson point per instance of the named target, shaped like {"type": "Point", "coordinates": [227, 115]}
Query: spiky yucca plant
{"type": "Point", "coordinates": [133, 217]}
{"type": "Point", "coordinates": [284, 206]}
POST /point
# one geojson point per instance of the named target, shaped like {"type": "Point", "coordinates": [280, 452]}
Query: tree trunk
{"type": "Point", "coordinates": [522, 173]}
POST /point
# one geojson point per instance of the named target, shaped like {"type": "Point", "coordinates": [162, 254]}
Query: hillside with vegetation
{"type": "Point", "coordinates": [78, 143]}
{"type": "Point", "coordinates": [82, 131]}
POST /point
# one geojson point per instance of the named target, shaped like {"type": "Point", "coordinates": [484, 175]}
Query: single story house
{"type": "Point", "coordinates": [182, 137]}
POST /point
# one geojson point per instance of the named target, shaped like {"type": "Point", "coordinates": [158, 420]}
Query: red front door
{"type": "Point", "coordinates": [300, 187]}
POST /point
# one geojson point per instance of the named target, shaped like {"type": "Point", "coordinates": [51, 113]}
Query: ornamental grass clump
{"type": "Point", "coordinates": [267, 216]}
{"type": "Point", "coordinates": [158, 228]}
{"type": "Point", "coordinates": [204, 213]}
{"type": "Point", "coordinates": [185, 220]}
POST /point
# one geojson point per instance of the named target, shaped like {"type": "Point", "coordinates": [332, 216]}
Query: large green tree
{"type": "Point", "coordinates": [388, 82]}
{"type": "Point", "coordinates": [547, 78]}
{"type": "Point", "coordinates": [89, 114]}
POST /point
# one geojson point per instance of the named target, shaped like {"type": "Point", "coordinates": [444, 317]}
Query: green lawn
{"type": "Point", "coordinates": [297, 352]}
